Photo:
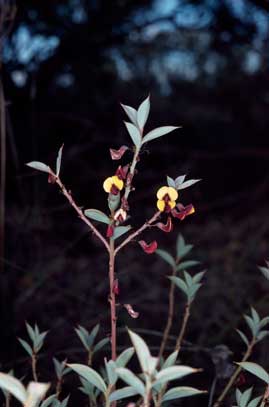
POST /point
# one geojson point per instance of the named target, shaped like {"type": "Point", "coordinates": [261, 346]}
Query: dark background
{"type": "Point", "coordinates": [66, 66]}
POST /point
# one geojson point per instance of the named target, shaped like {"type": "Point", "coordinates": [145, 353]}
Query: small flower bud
{"type": "Point", "coordinates": [120, 215]}
{"type": "Point", "coordinates": [168, 227]}
{"type": "Point", "coordinates": [148, 248]}
{"type": "Point", "coordinates": [116, 289]}
{"type": "Point", "coordinates": [131, 311]}
{"type": "Point", "coordinates": [110, 231]}
{"type": "Point", "coordinates": [117, 154]}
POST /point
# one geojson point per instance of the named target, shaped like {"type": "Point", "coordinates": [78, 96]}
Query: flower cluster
{"type": "Point", "coordinates": [166, 202]}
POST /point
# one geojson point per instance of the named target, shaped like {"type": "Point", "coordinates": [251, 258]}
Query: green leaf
{"type": "Point", "coordinates": [182, 248]}
{"type": "Point", "coordinates": [172, 373]}
{"type": "Point", "coordinates": [264, 322]}
{"type": "Point", "coordinates": [187, 264]}
{"type": "Point", "coordinates": [243, 337]}
{"type": "Point", "coordinates": [124, 357]}
{"type": "Point", "coordinates": [128, 377]}
{"type": "Point", "coordinates": [245, 397]}
{"type": "Point", "coordinates": [198, 277]}
{"type": "Point", "coordinates": [121, 230]}
{"type": "Point", "coordinates": [122, 393]}
{"type": "Point", "coordinates": [180, 392]}
{"type": "Point", "coordinates": [31, 332]}
{"type": "Point", "coordinates": [89, 374]}
{"type": "Point", "coordinates": [83, 336]}
{"type": "Point", "coordinates": [255, 402]}
{"type": "Point", "coordinates": [101, 344]}
{"type": "Point", "coordinates": [255, 316]}
{"type": "Point", "coordinates": [111, 372]}
{"type": "Point", "coordinates": [95, 214]}
{"type": "Point", "coordinates": [180, 284]}
{"type": "Point", "coordinates": [253, 327]}
{"type": "Point", "coordinates": [141, 349]}
{"type": "Point", "coordinates": [143, 113]}
{"type": "Point", "coordinates": [238, 396]}
{"type": "Point", "coordinates": [37, 165]}
{"type": "Point", "coordinates": [158, 132]}
{"type": "Point", "coordinates": [131, 113]}
{"type": "Point", "coordinates": [39, 341]}
{"type": "Point", "coordinates": [187, 184]}
{"type": "Point", "coordinates": [256, 370]}
{"type": "Point", "coordinates": [13, 386]}
{"type": "Point", "coordinates": [49, 400]}
{"type": "Point", "coordinates": [171, 360]}
{"type": "Point", "coordinates": [179, 180]}
{"type": "Point", "coordinates": [261, 335]}
{"type": "Point", "coordinates": [59, 161]}
{"type": "Point", "coordinates": [265, 272]}
{"type": "Point", "coordinates": [93, 334]}
{"type": "Point", "coordinates": [134, 134]}
{"type": "Point", "coordinates": [171, 182]}
{"type": "Point", "coordinates": [26, 346]}
{"type": "Point", "coordinates": [166, 257]}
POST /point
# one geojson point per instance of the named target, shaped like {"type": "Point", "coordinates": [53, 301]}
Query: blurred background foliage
{"type": "Point", "coordinates": [66, 66]}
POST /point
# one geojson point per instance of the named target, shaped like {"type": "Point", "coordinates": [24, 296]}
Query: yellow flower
{"type": "Point", "coordinates": [113, 184]}
{"type": "Point", "coordinates": [167, 197]}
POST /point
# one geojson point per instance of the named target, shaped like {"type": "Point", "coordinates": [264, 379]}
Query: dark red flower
{"type": "Point", "coordinates": [168, 227]}
{"type": "Point", "coordinates": [117, 154]}
{"type": "Point", "coordinates": [110, 231]}
{"type": "Point", "coordinates": [148, 248]}
{"type": "Point", "coordinates": [183, 211]}
{"type": "Point", "coordinates": [122, 171]}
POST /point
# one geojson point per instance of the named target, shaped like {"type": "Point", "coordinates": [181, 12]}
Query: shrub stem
{"type": "Point", "coordinates": [112, 300]}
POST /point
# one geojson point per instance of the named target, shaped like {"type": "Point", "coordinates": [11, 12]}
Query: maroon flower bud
{"type": "Point", "coordinates": [148, 248]}
{"type": "Point", "coordinates": [131, 311]}
{"type": "Point", "coordinates": [168, 227]}
{"type": "Point", "coordinates": [122, 171]}
{"type": "Point", "coordinates": [124, 204]}
{"type": "Point", "coordinates": [110, 231]}
{"type": "Point", "coordinates": [117, 154]}
{"type": "Point", "coordinates": [116, 289]}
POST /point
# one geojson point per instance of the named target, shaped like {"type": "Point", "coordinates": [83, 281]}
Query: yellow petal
{"type": "Point", "coordinates": [117, 182]}
{"type": "Point", "coordinates": [173, 194]}
{"type": "Point", "coordinates": [161, 205]}
{"type": "Point", "coordinates": [192, 210]}
{"type": "Point", "coordinates": [162, 192]}
{"type": "Point", "coordinates": [172, 204]}
{"type": "Point", "coordinates": [107, 185]}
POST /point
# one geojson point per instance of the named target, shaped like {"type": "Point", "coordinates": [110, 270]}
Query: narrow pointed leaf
{"type": "Point", "coordinates": [187, 184]}
{"type": "Point", "coordinates": [134, 133]}
{"type": "Point", "coordinates": [121, 230]}
{"type": "Point", "coordinates": [143, 113]}
{"type": "Point", "coordinates": [166, 257]}
{"type": "Point", "coordinates": [243, 337]}
{"type": "Point", "coordinates": [173, 373]}
{"type": "Point", "coordinates": [187, 264]}
{"type": "Point", "coordinates": [124, 357]}
{"type": "Point", "coordinates": [256, 370]}
{"type": "Point", "coordinates": [48, 401]}
{"type": "Point", "coordinates": [26, 346]}
{"type": "Point", "coordinates": [95, 214]}
{"type": "Point", "coordinates": [13, 386]}
{"type": "Point", "coordinates": [89, 374]}
{"type": "Point", "coordinates": [255, 402]}
{"type": "Point", "coordinates": [35, 393]}
{"type": "Point", "coordinates": [171, 360]}
{"type": "Point", "coordinates": [158, 132]}
{"type": "Point", "coordinates": [128, 377]}
{"type": "Point", "coordinates": [131, 113]}
{"type": "Point", "coordinates": [141, 349]}
{"type": "Point", "coordinates": [170, 182]}
{"type": "Point", "coordinates": [37, 165]}
{"type": "Point", "coordinates": [123, 393]}
{"type": "Point", "coordinates": [59, 161]}
{"type": "Point", "coordinates": [101, 344]}
{"type": "Point", "coordinates": [180, 392]}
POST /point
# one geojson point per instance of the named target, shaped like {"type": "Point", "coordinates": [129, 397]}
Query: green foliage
{"type": "Point", "coordinates": [243, 399]}
{"type": "Point", "coordinates": [256, 325]}
{"type": "Point", "coordinates": [256, 370]}
{"type": "Point", "coordinates": [187, 284]}
{"type": "Point", "coordinates": [37, 338]}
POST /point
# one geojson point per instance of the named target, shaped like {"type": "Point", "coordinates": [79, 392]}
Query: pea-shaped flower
{"type": "Point", "coordinates": [167, 197]}
{"type": "Point", "coordinates": [112, 185]}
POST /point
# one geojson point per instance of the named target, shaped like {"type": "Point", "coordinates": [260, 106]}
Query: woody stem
{"type": "Point", "coordinates": [112, 300]}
